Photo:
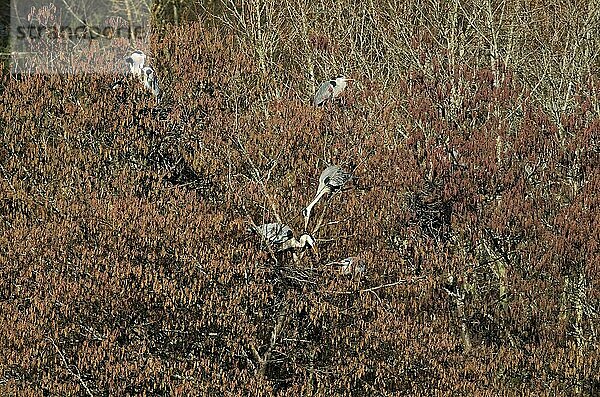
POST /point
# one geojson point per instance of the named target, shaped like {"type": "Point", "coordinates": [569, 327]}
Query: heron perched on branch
{"type": "Point", "coordinates": [282, 237]}
{"type": "Point", "coordinates": [352, 265]}
{"type": "Point", "coordinates": [330, 90]}
{"type": "Point", "coordinates": [150, 80]}
{"type": "Point", "coordinates": [136, 61]}
{"type": "Point", "coordinates": [332, 179]}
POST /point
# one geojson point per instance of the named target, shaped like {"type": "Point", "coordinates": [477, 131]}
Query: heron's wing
{"type": "Point", "coordinates": [276, 233]}
{"type": "Point", "coordinates": [323, 94]}
{"type": "Point", "coordinates": [266, 230]}
{"type": "Point", "coordinates": [334, 177]}
{"type": "Point", "coordinates": [284, 233]}
{"type": "Point", "coordinates": [154, 86]}
{"type": "Point", "coordinates": [328, 172]}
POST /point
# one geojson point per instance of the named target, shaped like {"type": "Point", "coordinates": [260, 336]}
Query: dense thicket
{"type": "Point", "coordinates": [126, 267]}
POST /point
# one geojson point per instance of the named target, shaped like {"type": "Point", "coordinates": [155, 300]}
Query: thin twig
{"type": "Point", "coordinates": [258, 179]}
{"type": "Point", "coordinates": [66, 364]}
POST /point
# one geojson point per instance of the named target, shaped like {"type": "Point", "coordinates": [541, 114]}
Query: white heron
{"type": "Point", "coordinates": [330, 90]}
{"type": "Point", "coordinates": [282, 237]}
{"type": "Point", "coordinates": [150, 80]}
{"type": "Point", "coordinates": [332, 179]}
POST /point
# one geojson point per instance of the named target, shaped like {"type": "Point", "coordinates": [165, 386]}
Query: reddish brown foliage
{"type": "Point", "coordinates": [126, 267]}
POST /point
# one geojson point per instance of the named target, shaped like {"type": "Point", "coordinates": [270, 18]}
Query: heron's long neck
{"type": "Point", "coordinates": [315, 201]}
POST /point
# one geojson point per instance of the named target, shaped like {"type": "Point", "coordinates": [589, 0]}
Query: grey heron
{"type": "Point", "coordinates": [136, 61]}
{"type": "Point", "coordinates": [352, 265]}
{"type": "Point", "coordinates": [330, 90]}
{"type": "Point", "coordinates": [150, 80]}
{"type": "Point", "coordinates": [282, 237]}
{"type": "Point", "coordinates": [332, 179]}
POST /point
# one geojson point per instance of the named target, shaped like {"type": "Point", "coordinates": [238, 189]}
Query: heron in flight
{"type": "Point", "coordinates": [332, 179]}
{"type": "Point", "coordinates": [282, 237]}
{"type": "Point", "coordinates": [150, 80]}
{"type": "Point", "coordinates": [330, 90]}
